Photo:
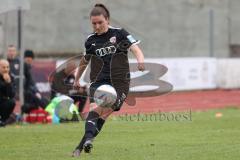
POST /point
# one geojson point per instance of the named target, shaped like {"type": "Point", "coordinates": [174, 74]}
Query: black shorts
{"type": "Point", "coordinates": [121, 88]}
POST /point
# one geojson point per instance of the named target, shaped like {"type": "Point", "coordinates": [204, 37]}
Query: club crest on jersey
{"type": "Point", "coordinates": [112, 40]}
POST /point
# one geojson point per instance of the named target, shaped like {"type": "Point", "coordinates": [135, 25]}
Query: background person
{"type": "Point", "coordinates": [14, 63]}
{"type": "Point", "coordinates": [32, 96]}
{"type": "Point", "coordinates": [7, 92]}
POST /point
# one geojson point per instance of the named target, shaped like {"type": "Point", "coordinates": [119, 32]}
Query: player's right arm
{"type": "Point", "coordinates": [82, 66]}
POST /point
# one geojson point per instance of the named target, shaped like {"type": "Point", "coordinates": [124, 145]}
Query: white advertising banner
{"type": "Point", "coordinates": [228, 73]}
{"type": "Point", "coordinates": [195, 73]}
{"type": "Point", "coordinates": [188, 73]}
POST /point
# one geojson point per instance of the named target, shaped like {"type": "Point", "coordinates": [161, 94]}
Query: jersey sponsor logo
{"type": "Point", "coordinates": [105, 51]}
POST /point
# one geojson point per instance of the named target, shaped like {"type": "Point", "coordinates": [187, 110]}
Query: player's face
{"type": "Point", "coordinates": [99, 23]}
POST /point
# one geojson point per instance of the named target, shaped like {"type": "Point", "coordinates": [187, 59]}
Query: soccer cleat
{"type": "Point", "coordinates": [88, 146]}
{"type": "Point", "coordinates": [76, 153]}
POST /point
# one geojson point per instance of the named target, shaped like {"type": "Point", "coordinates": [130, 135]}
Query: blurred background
{"type": "Point", "coordinates": [173, 28]}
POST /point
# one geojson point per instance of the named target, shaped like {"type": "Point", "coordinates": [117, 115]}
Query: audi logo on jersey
{"type": "Point", "coordinates": [105, 51]}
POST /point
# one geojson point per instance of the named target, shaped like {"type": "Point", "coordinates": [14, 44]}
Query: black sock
{"type": "Point", "coordinates": [80, 146]}
{"type": "Point", "coordinates": [91, 125]}
{"type": "Point", "coordinates": [99, 121]}
{"type": "Point", "coordinates": [100, 124]}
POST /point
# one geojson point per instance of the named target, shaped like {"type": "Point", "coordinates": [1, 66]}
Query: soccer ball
{"type": "Point", "coordinates": [105, 96]}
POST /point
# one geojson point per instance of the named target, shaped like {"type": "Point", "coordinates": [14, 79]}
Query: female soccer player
{"type": "Point", "coordinates": [107, 49]}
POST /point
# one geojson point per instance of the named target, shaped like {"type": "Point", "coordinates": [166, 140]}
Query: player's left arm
{"type": "Point", "coordinates": [139, 56]}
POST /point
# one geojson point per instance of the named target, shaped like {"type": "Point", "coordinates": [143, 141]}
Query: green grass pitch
{"type": "Point", "coordinates": [203, 137]}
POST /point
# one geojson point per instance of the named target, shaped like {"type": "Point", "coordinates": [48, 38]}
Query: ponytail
{"type": "Point", "coordinates": [100, 9]}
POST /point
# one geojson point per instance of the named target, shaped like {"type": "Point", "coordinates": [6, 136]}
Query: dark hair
{"type": "Point", "coordinates": [29, 53]}
{"type": "Point", "coordinates": [100, 9]}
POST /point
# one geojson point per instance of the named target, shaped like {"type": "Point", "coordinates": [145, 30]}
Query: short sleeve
{"type": "Point", "coordinates": [128, 38]}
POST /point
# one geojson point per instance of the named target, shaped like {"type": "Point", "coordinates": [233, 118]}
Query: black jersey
{"type": "Point", "coordinates": [108, 54]}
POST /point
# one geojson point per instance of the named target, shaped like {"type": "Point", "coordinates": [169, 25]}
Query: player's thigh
{"type": "Point", "coordinates": [122, 89]}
